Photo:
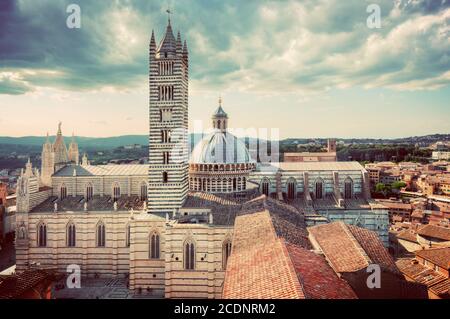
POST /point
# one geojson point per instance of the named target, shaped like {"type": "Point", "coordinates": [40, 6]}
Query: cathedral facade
{"type": "Point", "coordinates": [167, 227]}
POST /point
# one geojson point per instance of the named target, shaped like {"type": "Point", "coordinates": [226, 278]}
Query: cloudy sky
{"type": "Point", "coordinates": [310, 68]}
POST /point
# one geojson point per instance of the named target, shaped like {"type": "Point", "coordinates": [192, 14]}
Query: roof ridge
{"type": "Point", "coordinates": [353, 239]}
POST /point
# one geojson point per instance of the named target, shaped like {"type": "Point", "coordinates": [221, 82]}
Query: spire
{"type": "Point", "coordinates": [47, 141]}
{"type": "Point", "coordinates": [152, 44]}
{"type": "Point", "coordinates": [28, 168]}
{"type": "Point", "coordinates": [179, 45]}
{"type": "Point", "coordinates": [168, 43]}
{"type": "Point", "coordinates": [219, 111]}
{"type": "Point", "coordinates": [59, 128]}
{"type": "Point", "coordinates": [185, 51]}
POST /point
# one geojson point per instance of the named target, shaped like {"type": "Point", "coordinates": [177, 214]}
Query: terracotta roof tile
{"type": "Point", "coordinates": [374, 248]}
{"type": "Point", "coordinates": [13, 286]}
{"type": "Point", "coordinates": [350, 248]}
{"type": "Point", "coordinates": [318, 279]}
{"type": "Point", "coordinates": [259, 266]}
{"type": "Point", "coordinates": [408, 234]}
{"type": "Point", "coordinates": [438, 256]}
{"type": "Point", "coordinates": [435, 232]}
{"type": "Point", "coordinates": [340, 248]}
{"type": "Point", "coordinates": [419, 273]}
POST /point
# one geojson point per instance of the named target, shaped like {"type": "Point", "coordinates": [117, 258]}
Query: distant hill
{"type": "Point", "coordinates": [104, 143]}
{"type": "Point", "coordinates": [83, 142]}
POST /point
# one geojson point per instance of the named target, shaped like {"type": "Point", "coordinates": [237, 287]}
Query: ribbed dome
{"type": "Point", "coordinates": [222, 148]}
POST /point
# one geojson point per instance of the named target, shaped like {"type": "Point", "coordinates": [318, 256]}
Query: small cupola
{"type": "Point", "coordinates": [220, 118]}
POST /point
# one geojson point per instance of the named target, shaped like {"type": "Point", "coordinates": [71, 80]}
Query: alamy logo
{"type": "Point", "coordinates": [374, 279]}
{"type": "Point", "coordinates": [74, 19]}
{"type": "Point", "coordinates": [374, 19]}
{"type": "Point", "coordinates": [74, 279]}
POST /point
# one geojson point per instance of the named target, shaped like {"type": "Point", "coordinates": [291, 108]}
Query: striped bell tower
{"type": "Point", "coordinates": [168, 111]}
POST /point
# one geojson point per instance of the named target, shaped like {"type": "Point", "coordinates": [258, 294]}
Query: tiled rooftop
{"type": "Point", "coordinates": [407, 234]}
{"type": "Point", "coordinates": [97, 203]}
{"type": "Point", "coordinates": [438, 256]}
{"type": "Point", "coordinates": [350, 248]}
{"type": "Point", "coordinates": [103, 170]}
{"type": "Point", "coordinates": [420, 273]}
{"type": "Point", "coordinates": [438, 232]}
{"type": "Point", "coordinates": [14, 286]}
{"type": "Point", "coordinates": [374, 248]}
{"type": "Point", "coordinates": [318, 279]}
{"type": "Point", "coordinates": [317, 166]}
{"type": "Point", "coordinates": [259, 266]}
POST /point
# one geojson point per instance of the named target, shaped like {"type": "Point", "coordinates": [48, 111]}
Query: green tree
{"type": "Point", "coordinates": [398, 185]}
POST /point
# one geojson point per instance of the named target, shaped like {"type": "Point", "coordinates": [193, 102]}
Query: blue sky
{"type": "Point", "coordinates": [309, 68]}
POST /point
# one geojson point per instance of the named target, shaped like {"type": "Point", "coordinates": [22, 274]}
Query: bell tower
{"type": "Point", "coordinates": [168, 114]}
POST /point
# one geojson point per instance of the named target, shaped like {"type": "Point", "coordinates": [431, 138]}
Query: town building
{"type": "Point", "coordinates": [328, 156]}
{"type": "Point", "coordinates": [429, 268]}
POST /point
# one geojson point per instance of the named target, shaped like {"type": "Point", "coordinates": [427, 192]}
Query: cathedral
{"type": "Point", "coordinates": [167, 226]}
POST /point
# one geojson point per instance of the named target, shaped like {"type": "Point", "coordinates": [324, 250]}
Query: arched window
{"type": "Point", "coordinates": [319, 189]}
{"type": "Point", "coordinates": [189, 255]}
{"type": "Point", "coordinates": [166, 157]}
{"type": "Point", "coordinates": [71, 235]}
{"type": "Point", "coordinates": [154, 246]}
{"type": "Point", "coordinates": [128, 234]}
{"type": "Point", "coordinates": [42, 235]}
{"type": "Point", "coordinates": [265, 187]}
{"type": "Point", "coordinates": [89, 192]}
{"type": "Point", "coordinates": [143, 191]}
{"type": "Point", "coordinates": [63, 192]}
{"type": "Point", "coordinates": [348, 188]}
{"type": "Point", "coordinates": [226, 252]}
{"type": "Point", "coordinates": [116, 192]}
{"type": "Point", "coordinates": [101, 242]}
{"type": "Point", "coordinates": [291, 188]}
{"type": "Point", "coordinates": [165, 177]}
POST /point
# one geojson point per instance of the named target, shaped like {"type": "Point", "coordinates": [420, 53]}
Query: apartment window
{"type": "Point", "coordinates": [189, 256]}
{"type": "Point", "coordinates": [42, 235]}
{"type": "Point", "coordinates": [165, 177]}
{"type": "Point", "coordinates": [101, 242]}
{"type": "Point", "coordinates": [71, 235]}
{"type": "Point", "coordinates": [154, 246]}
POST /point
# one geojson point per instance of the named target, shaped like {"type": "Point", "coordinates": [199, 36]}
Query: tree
{"type": "Point", "coordinates": [398, 185]}
{"type": "Point", "coordinates": [382, 189]}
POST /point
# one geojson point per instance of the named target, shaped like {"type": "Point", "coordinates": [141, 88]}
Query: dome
{"type": "Point", "coordinates": [222, 148]}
